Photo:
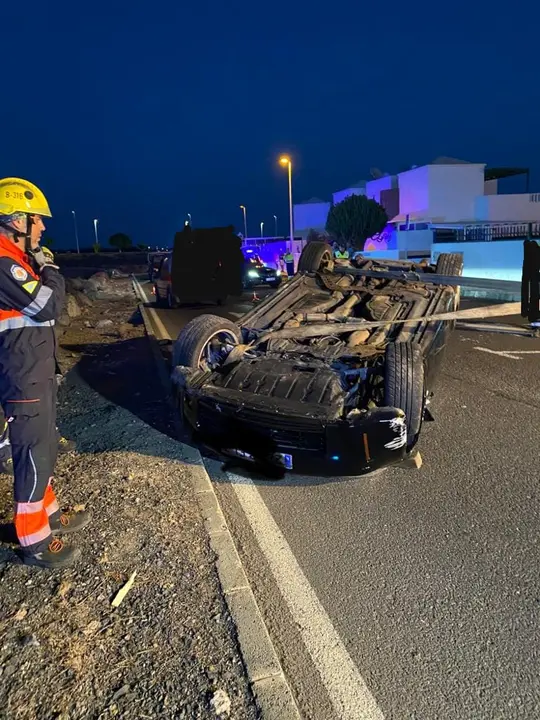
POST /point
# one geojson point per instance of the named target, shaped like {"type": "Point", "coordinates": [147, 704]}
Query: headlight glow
{"type": "Point", "coordinates": [253, 273]}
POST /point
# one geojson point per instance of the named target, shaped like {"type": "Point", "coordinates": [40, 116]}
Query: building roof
{"type": "Point", "coordinates": [360, 184]}
{"type": "Point", "coordinates": [443, 160]}
{"type": "Point", "coordinates": [313, 201]}
{"type": "Point", "coordinates": [500, 172]}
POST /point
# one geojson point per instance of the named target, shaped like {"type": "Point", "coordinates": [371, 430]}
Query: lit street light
{"type": "Point", "coordinates": [275, 223]}
{"type": "Point", "coordinates": [262, 229]}
{"type": "Point", "coordinates": [285, 160]}
{"type": "Point", "coordinates": [76, 231]}
{"type": "Point", "coordinates": [243, 209]}
{"type": "Point", "coordinates": [189, 216]}
{"type": "Point", "coordinates": [95, 230]}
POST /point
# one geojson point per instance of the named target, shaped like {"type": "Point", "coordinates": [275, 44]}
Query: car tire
{"type": "Point", "coordinates": [316, 256]}
{"type": "Point", "coordinates": [193, 339]}
{"type": "Point", "coordinates": [404, 385]}
{"type": "Point", "coordinates": [451, 264]}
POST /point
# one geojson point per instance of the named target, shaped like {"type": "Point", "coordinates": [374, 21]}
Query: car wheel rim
{"type": "Point", "coordinates": [216, 350]}
{"type": "Point", "coordinates": [327, 262]}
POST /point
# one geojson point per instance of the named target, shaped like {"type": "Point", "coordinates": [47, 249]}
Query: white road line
{"type": "Point", "coordinates": [510, 354]}
{"type": "Point", "coordinates": [141, 290]}
{"type": "Point", "coordinates": [156, 320]}
{"type": "Point", "coordinates": [497, 352]}
{"type": "Point", "coordinates": [345, 686]}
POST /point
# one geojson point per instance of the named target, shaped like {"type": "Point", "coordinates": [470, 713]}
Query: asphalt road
{"type": "Point", "coordinates": [411, 594]}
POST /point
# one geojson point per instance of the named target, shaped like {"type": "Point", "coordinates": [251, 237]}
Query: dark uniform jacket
{"type": "Point", "coordinates": [30, 304]}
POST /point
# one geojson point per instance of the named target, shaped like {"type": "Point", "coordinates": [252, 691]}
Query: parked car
{"type": "Point", "coordinates": [154, 261]}
{"type": "Point", "coordinates": [163, 282]}
{"type": "Point", "coordinates": [256, 273]}
{"type": "Point", "coordinates": [321, 377]}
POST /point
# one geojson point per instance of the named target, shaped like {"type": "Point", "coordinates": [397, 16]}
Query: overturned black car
{"type": "Point", "coordinates": [327, 376]}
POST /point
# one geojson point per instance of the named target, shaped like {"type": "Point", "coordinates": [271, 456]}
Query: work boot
{"type": "Point", "coordinates": [57, 555]}
{"type": "Point", "coordinates": [69, 522]}
{"type": "Point", "coordinates": [65, 445]}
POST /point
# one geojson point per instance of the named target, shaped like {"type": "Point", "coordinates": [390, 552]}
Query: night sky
{"type": "Point", "coordinates": [137, 113]}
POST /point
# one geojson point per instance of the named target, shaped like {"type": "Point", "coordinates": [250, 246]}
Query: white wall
{"type": "Point", "coordinates": [310, 215]}
{"type": "Point", "coordinates": [501, 260]}
{"type": "Point", "coordinates": [343, 194]}
{"type": "Point", "coordinates": [453, 190]}
{"type": "Point", "coordinates": [374, 187]}
{"type": "Point", "coordinates": [441, 193]}
{"type": "Point", "coordinates": [508, 208]}
{"type": "Point", "coordinates": [414, 191]}
{"type": "Point", "coordinates": [381, 254]}
{"type": "Point", "coordinates": [414, 240]}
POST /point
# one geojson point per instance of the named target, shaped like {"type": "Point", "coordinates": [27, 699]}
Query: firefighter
{"type": "Point", "coordinates": [31, 298]}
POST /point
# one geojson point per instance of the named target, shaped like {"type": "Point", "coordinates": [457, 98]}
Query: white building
{"type": "Point", "coordinates": [310, 215]}
{"type": "Point", "coordinates": [446, 205]}
{"type": "Point", "coordinates": [455, 191]}
{"type": "Point", "coordinates": [358, 188]}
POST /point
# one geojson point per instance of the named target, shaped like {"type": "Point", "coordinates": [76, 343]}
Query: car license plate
{"type": "Point", "coordinates": [285, 460]}
{"type": "Point", "coordinates": [270, 279]}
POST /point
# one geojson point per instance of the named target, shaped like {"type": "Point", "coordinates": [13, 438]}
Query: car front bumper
{"type": "Point", "coordinates": [366, 441]}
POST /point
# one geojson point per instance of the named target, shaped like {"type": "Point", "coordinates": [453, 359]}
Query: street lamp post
{"type": "Point", "coordinates": [95, 230]}
{"type": "Point", "coordinates": [262, 229]}
{"type": "Point", "coordinates": [243, 209]}
{"type": "Point", "coordinates": [275, 225]}
{"type": "Point", "coordinates": [76, 230]}
{"type": "Point", "coordinates": [285, 160]}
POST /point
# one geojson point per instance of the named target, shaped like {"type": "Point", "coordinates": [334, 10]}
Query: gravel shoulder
{"type": "Point", "coordinates": [170, 649]}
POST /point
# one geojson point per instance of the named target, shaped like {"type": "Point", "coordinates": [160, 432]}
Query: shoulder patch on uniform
{"type": "Point", "coordinates": [30, 286]}
{"type": "Point", "coordinates": [19, 273]}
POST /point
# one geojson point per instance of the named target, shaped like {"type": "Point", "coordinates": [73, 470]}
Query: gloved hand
{"type": "Point", "coordinates": [43, 260]}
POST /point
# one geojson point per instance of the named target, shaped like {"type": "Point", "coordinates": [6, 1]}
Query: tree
{"type": "Point", "coordinates": [96, 247]}
{"type": "Point", "coordinates": [120, 241]}
{"type": "Point", "coordinates": [355, 219]}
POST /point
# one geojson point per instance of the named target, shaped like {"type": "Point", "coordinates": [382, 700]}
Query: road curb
{"type": "Point", "coordinates": [267, 679]}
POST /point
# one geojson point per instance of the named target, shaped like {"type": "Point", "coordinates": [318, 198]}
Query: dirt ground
{"type": "Point", "coordinates": [169, 650]}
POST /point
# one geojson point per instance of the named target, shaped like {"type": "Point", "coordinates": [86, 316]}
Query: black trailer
{"type": "Point", "coordinates": [207, 265]}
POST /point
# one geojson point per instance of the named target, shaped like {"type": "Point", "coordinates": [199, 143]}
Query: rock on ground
{"type": "Point", "coordinates": [72, 307]}
{"type": "Point", "coordinates": [169, 650]}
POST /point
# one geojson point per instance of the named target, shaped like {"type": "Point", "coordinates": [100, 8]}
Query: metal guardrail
{"type": "Point", "coordinates": [487, 233]}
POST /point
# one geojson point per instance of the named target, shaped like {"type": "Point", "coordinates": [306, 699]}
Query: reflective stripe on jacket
{"type": "Point", "coordinates": [29, 307]}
